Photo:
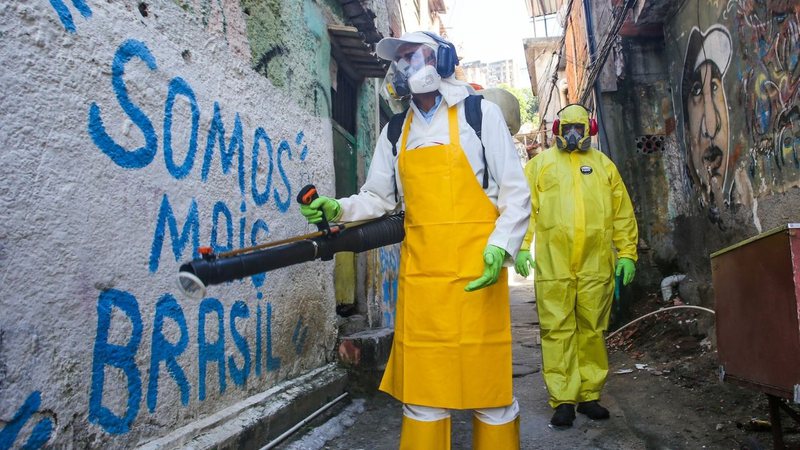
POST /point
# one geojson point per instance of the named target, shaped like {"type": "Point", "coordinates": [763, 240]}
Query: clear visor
{"type": "Point", "coordinates": [573, 130]}
{"type": "Point", "coordinates": [415, 57]}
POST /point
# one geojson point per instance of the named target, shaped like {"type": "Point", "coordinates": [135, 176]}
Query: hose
{"type": "Point", "coordinates": [656, 312]}
{"type": "Point", "coordinates": [297, 426]}
{"type": "Point", "coordinates": [194, 276]}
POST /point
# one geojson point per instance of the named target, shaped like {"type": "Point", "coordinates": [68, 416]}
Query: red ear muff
{"type": "Point", "coordinates": [592, 127]}
{"type": "Point", "coordinates": [556, 127]}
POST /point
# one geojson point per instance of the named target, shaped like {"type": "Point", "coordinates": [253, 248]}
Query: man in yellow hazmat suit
{"type": "Point", "coordinates": [583, 223]}
{"type": "Point", "coordinates": [466, 212]}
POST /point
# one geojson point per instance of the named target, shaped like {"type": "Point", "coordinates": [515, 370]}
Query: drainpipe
{"type": "Point", "coordinates": [667, 283]}
{"type": "Point", "coordinates": [561, 84]}
{"type": "Point", "coordinates": [602, 139]}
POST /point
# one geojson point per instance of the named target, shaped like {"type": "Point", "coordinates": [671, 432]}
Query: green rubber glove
{"type": "Point", "coordinates": [493, 257]}
{"type": "Point", "coordinates": [626, 269]}
{"type": "Point", "coordinates": [524, 263]}
{"type": "Point", "coordinates": [313, 212]}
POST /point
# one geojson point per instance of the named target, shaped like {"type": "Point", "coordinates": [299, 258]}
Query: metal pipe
{"type": "Point", "coordinates": [288, 432]}
{"type": "Point", "coordinates": [668, 282]}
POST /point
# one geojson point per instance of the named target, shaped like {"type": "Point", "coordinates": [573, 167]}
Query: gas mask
{"type": "Point", "coordinates": [412, 73]}
{"type": "Point", "coordinates": [573, 134]}
{"type": "Point", "coordinates": [573, 129]}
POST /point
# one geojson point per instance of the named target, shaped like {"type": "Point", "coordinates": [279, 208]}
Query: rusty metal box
{"type": "Point", "coordinates": [757, 295]}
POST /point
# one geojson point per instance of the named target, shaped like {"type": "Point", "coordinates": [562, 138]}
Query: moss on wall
{"type": "Point", "coordinates": [266, 30]}
{"type": "Point", "coordinates": [290, 46]}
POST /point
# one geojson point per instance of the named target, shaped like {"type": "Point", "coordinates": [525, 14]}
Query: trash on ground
{"type": "Point", "coordinates": [755, 425]}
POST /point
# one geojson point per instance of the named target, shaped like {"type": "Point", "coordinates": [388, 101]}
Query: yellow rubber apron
{"type": "Point", "coordinates": [451, 348]}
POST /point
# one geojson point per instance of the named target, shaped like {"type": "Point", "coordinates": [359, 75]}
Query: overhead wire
{"type": "Point", "coordinates": [608, 44]}
{"type": "Point", "coordinates": [554, 76]}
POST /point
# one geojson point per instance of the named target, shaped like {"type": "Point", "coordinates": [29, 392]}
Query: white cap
{"type": "Point", "coordinates": [387, 47]}
{"type": "Point", "coordinates": [716, 48]}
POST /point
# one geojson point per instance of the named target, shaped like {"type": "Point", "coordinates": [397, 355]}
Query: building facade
{"type": "Point", "coordinates": [699, 107]}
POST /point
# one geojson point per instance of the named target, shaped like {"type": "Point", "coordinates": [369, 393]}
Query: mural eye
{"type": "Point", "coordinates": [696, 89]}
{"type": "Point", "coordinates": [714, 86]}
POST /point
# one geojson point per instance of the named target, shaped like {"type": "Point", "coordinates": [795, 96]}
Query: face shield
{"type": "Point", "coordinates": [413, 71]}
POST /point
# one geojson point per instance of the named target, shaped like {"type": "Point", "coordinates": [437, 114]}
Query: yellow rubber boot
{"type": "Point", "coordinates": [420, 435]}
{"type": "Point", "coordinates": [495, 437]}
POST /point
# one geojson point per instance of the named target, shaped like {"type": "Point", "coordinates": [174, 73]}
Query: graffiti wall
{"type": "Point", "coordinates": [736, 74]}
{"type": "Point", "coordinates": [133, 134]}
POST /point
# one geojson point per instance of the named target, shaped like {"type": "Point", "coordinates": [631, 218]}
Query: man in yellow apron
{"type": "Point", "coordinates": [452, 341]}
{"type": "Point", "coordinates": [580, 213]}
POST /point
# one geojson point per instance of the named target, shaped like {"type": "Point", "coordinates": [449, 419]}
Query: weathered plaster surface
{"type": "Point", "coordinates": [116, 168]}
{"type": "Point", "coordinates": [743, 55]}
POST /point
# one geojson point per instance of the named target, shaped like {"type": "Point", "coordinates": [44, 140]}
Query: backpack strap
{"type": "Point", "coordinates": [396, 129]}
{"type": "Point", "coordinates": [393, 133]}
{"type": "Point", "coordinates": [474, 116]}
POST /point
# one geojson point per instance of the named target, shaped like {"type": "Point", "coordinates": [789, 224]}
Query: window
{"type": "Point", "coordinates": [546, 26]}
{"type": "Point", "coordinates": [344, 102]}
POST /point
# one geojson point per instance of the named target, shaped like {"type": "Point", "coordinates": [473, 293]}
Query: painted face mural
{"type": "Point", "coordinates": [705, 108]}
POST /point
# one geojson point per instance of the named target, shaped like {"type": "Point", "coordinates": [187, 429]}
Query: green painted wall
{"type": "Point", "coordinates": [291, 47]}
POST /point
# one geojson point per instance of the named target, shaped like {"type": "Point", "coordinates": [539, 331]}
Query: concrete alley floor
{"type": "Point", "coordinates": [647, 411]}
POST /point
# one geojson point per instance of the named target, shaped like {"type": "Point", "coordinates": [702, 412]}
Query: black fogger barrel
{"type": "Point", "coordinates": [384, 231]}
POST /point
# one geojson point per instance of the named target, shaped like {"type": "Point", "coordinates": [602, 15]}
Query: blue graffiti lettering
{"type": "Point", "coordinates": [299, 336]}
{"type": "Point", "coordinates": [239, 310]}
{"type": "Point", "coordinates": [273, 362]}
{"type": "Point", "coordinates": [66, 17]}
{"type": "Point", "coordinates": [297, 140]}
{"type": "Point", "coordinates": [41, 431]}
{"type": "Point", "coordinates": [119, 356]}
{"type": "Point", "coordinates": [389, 265]}
{"type": "Point", "coordinates": [242, 223]}
{"type": "Point", "coordinates": [236, 144]}
{"type": "Point", "coordinates": [191, 229]}
{"type": "Point", "coordinates": [180, 87]}
{"type": "Point", "coordinates": [220, 208]}
{"type": "Point", "coordinates": [215, 138]}
{"type": "Point", "coordinates": [258, 339]}
{"type": "Point", "coordinates": [261, 198]}
{"type": "Point", "coordinates": [161, 349]}
{"type": "Point", "coordinates": [222, 233]}
{"type": "Point", "coordinates": [207, 351]}
{"type": "Point", "coordinates": [283, 205]}
{"type": "Point", "coordinates": [114, 305]}
{"type": "Point", "coordinates": [142, 156]}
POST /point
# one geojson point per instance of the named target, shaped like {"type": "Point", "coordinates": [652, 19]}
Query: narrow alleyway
{"type": "Point", "coordinates": [685, 409]}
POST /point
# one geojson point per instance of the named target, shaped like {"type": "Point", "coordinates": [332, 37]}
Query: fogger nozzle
{"type": "Point", "coordinates": [194, 276]}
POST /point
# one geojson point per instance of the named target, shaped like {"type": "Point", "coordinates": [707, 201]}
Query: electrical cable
{"type": "Point", "coordinates": [605, 50]}
{"type": "Point", "coordinates": [554, 76]}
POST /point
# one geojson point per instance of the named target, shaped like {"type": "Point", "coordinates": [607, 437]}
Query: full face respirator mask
{"type": "Point", "coordinates": [413, 73]}
{"type": "Point", "coordinates": [573, 135]}
{"type": "Point", "coordinates": [573, 130]}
